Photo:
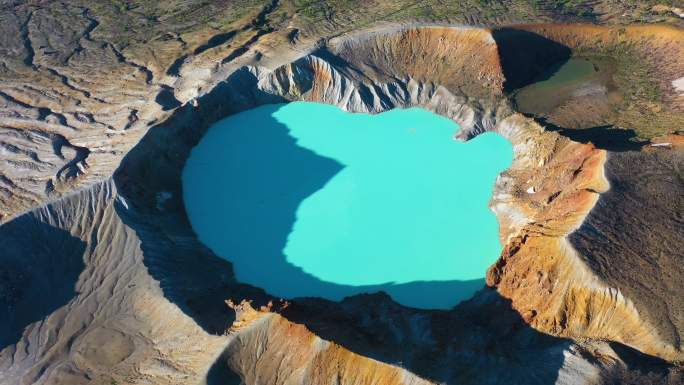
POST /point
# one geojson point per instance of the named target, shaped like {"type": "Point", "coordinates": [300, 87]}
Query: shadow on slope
{"type": "Point", "coordinates": [606, 137]}
{"type": "Point", "coordinates": [39, 267]}
{"type": "Point", "coordinates": [221, 374]}
{"type": "Point", "coordinates": [481, 341]}
{"type": "Point", "coordinates": [639, 369]}
{"type": "Point", "coordinates": [638, 225]}
{"type": "Point", "coordinates": [149, 178]}
{"type": "Point", "coordinates": [525, 56]}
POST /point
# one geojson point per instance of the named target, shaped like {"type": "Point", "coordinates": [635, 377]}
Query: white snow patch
{"type": "Point", "coordinates": [123, 201]}
{"type": "Point", "coordinates": [679, 85]}
{"type": "Point", "coordinates": [661, 144]}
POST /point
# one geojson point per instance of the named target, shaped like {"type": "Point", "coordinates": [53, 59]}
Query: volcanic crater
{"type": "Point", "coordinates": [579, 289]}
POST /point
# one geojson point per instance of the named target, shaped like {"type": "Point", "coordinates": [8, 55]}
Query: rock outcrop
{"type": "Point", "coordinates": [289, 353]}
{"type": "Point", "coordinates": [541, 201]}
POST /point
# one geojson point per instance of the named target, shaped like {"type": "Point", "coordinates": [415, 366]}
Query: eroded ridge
{"type": "Point", "coordinates": [293, 354]}
{"type": "Point", "coordinates": [544, 197]}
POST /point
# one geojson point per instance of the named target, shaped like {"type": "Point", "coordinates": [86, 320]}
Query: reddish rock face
{"type": "Point", "coordinates": [464, 60]}
{"type": "Point", "coordinates": [556, 277]}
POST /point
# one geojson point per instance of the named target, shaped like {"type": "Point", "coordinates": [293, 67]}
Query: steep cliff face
{"type": "Point", "coordinates": [290, 354]}
{"type": "Point", "coordinates": [315, 79]}
{"type": "Point", "coordinates": [376, 341]}
{"type": "Point", "coordinates": [647, 193]}
{"type": "Point", "coordinates": [541, 202]}
{"type": "Point", "coordinates": [463, 60]}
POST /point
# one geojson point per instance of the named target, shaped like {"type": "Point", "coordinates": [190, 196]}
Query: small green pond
{"type": "Point", "coordinates": [308, 200]}
{"type": "Point", "coordinates": [556, 85]}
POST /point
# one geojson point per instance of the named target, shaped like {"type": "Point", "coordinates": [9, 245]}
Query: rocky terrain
{"type": "Point", "coordinates": [102, 280]}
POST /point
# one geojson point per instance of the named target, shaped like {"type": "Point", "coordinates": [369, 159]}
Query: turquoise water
{"type": "Point", "coordinates": [307, 200]}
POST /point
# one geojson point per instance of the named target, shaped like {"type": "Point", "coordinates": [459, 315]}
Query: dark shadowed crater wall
{"type": "Point", "coordinates": [525, 55]}
{"type": "Point", "coordinates": [39, 267]}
